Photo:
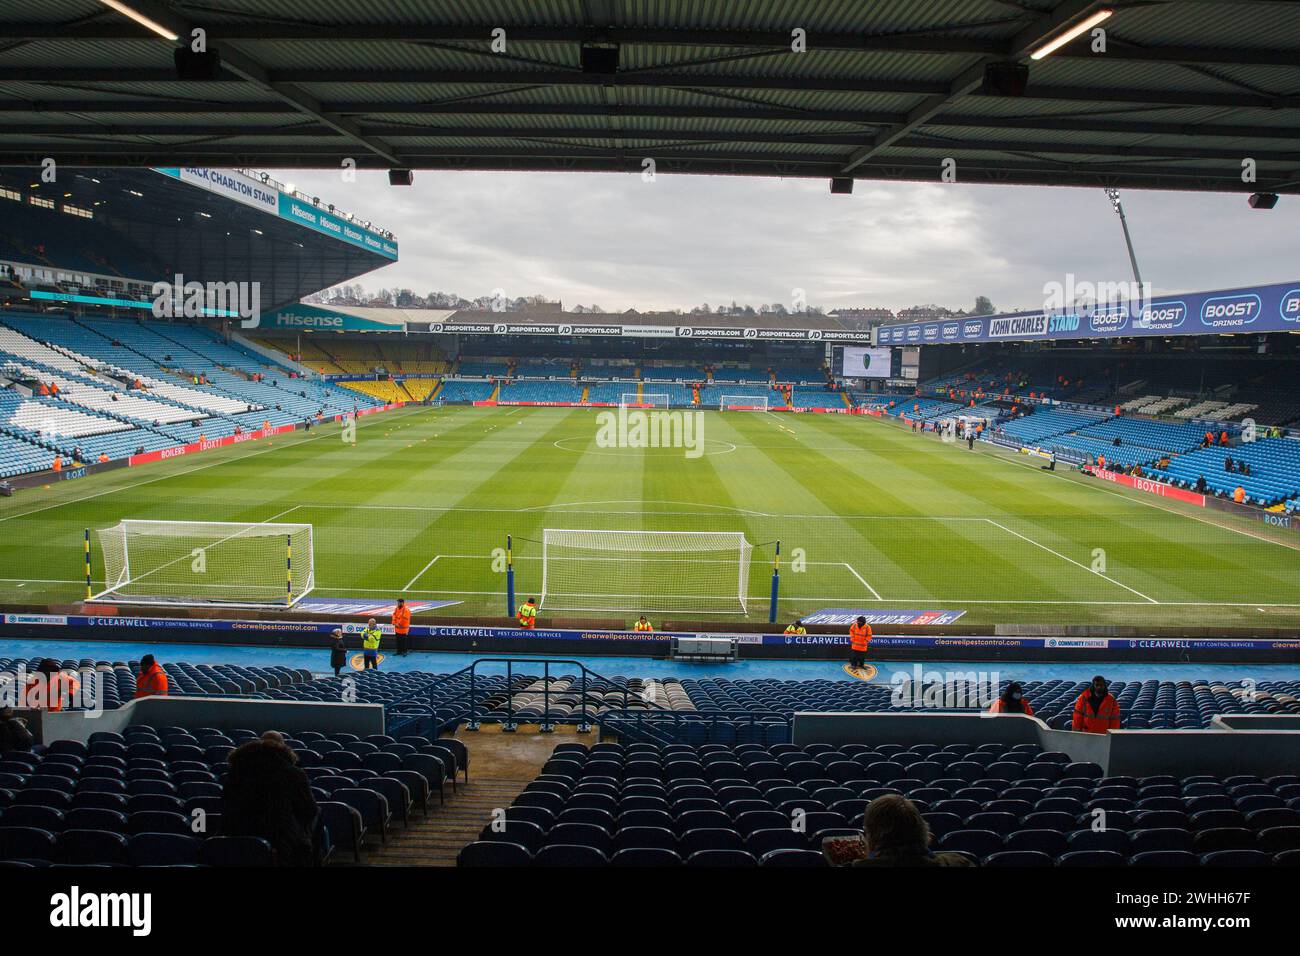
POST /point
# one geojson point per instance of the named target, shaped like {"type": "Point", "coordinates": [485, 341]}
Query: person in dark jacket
{"type": "Point", "coordinates": [893, 834]}
{"type": "Point", "coordinates": [338, 651]}
{"type": "Point", "coordinates": [14, 734]}
{"type": "Point", "coordinates": [267, 795]}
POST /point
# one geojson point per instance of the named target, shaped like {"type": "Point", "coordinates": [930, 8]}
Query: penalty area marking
{"type": "Point", "coordinates": [1063, 557]}
{"type": "Point", "coordinates": [853, 571]}
{"type": "Point", "coordinates": [421, 572]}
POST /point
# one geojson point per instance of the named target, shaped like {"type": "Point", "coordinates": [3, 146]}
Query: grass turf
{"type": "Point", "coordinates": [868, 515]}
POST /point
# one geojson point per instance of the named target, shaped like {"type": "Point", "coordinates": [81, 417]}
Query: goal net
{"type": "Point", "coordinates": [648, 400]}
{"type": "Point", "coordinates": [743, 403]}
{"type": "Point", "coordinates": [232, 564]}
{"type": "Point", "coordinates": [645, 571]}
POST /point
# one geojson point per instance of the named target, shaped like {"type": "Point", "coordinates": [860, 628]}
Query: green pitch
{"type": "Point", "coordinates": [867, 514]}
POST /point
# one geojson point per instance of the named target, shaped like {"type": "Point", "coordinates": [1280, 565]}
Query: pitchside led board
{"type": "Point", "coordinates": [852, 362]}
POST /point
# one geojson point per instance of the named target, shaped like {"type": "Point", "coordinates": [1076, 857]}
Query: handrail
{"type": "Point", "coordinates": [424, 694]}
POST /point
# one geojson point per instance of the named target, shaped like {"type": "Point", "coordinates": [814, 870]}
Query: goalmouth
{"type": "Point", "coordinates": [648, 400]}
{"type": "Point", "coordinates": [743, 403]}
{"type": "Point", "coordinates": [219, 563]}
{"type": "Point", "coordinates": [645, 571]}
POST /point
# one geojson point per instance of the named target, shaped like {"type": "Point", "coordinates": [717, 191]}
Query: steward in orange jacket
{"type": "Point", "coordinates": [1096, 711]}
{"type": "Point", "coordinates": [152, 679]}
{"type": "Point", "coordinates": [1012, 701]}
{"type": "Point", "coordinates": [401, 626]}
{"type": "Point", "coordinates": [50, 688]}
{"type": "Point", "coordinates": [859, 641]}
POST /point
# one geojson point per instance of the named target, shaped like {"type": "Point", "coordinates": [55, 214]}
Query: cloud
{"type": "Point", "coordinates": [620, 242]}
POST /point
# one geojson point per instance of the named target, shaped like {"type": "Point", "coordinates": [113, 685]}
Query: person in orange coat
{"type": "Point", "coordinates": [859, 641]}
{"type": "Point", "coordinates": [401, 626]}
{"type": "Point", "coordinates": [1096, 711]}
{"type": "Point", "coordinates": [50, 688]}
{"type": "Point", "coordinates": [152, 679]}
{"type": "Point", "coordinates": [1012, 701]}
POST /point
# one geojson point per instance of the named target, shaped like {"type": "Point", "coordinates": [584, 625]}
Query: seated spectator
{"type": "Point", "coordinates": [267, 795]}
{"type": "Point", "coordinates": [152, 679]}
{"type": "Point", "coordinates": [1012, 701]}
{"type": "Point", "coordinates": [1227, 464]}
{"type": "Point", "coordinates": [50, 688]}
{"type": "Point", "coordinates": [14, 734]}
{"type": "Point", "coordinates": [893, 834]}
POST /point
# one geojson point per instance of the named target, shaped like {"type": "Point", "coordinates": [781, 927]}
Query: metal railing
{"type": "Point", "coordinates": [417, 706]}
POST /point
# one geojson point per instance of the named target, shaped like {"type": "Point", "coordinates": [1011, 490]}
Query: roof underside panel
{"type": "Point", "coordinates": [1177, 97]}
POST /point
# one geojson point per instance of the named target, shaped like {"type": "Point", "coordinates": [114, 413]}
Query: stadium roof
{"type": "Point", "coordinates": [204, 235]}
{"type": "Point", "coordinates": [1184, 92]}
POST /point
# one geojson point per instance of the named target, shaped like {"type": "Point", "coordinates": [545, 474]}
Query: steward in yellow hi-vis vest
{"type": "Point", "coordinates": [642, 625]}
{"type": "Point", "coordinates": [796, 628]}
{"type": "Point", "coordinates": [370, 637]}
{"type": "Point", "coordinates": [528, 614]}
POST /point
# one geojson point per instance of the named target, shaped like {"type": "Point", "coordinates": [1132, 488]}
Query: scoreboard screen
{"type": "Point", "coordinates": [857, 362]}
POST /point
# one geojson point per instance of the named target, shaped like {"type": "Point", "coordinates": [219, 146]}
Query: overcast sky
{"type": "Point", "coordinates": [619, 242]}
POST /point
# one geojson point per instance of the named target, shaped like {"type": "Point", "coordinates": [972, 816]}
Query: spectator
{"type": "Point", "coordinates": [267, 795]}
{"type": "Point", "coordinates": [1200, 484]}
{"type": "Point", "coordinates": [14, 734]}
{"type": "Point", "coordinates": [1227, 464]}
{"type": "Point", "coordinates": [338, 650]}
{"type": "Point", "coordinates": [1096, 711]}
{"type": "Point", "coordinates": [893, 834]}
{"type": "Point", "coordinates": [1012, 701]}
{"type": "Point", "coordinates": [152, 679]}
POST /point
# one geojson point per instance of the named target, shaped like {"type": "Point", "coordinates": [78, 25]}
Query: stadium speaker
{"type": "Point", "coordinates": [600, 60]}
{"type": "Point", "coordinates": [841, 185]}
{"type": "Point", "coordinates": [400, 177]}
{"type": "Point", "coordinates": [197, 66]}
{"type": "Point", "coordinates": [1005, 79]}
{"type": "Point", "coordinates": [1262, 200]}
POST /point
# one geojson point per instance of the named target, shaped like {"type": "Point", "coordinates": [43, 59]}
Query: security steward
{"type": "Point", "coordinates": [1096, 711]}
{"type": "Point", "coordinates": [370, 637]}
{"type": "Point", "coordinates": [859, 641]}
{"type": "Point", "coordinates": [528, 614]}
{"type": "Point", "coordinates": [795, 629]}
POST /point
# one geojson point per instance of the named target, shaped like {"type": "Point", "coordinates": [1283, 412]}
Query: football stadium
{"type": "Point", "coordinates": [757, 589]}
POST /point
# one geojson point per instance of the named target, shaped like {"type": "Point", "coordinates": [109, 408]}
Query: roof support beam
{"type": "Point", "coordinates": [248, 69]}
{"type": "Point", "coordinates": [937, 42]}
{"type": "Point", "coordinates": [1024, 43]}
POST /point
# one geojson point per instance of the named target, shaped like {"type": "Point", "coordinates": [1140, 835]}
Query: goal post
{"type": "Point", "coordinates": [220, 563]}
{"type": "Point", "coordinates": [743, 403]}
{"type": "Point", "coordinates": [645, 571]}
{"type": "Point", "coordinates": [647, 400]}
